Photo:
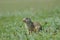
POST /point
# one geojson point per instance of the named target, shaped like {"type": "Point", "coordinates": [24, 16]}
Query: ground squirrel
{"type": "Point", "coordinates": [32, 26]}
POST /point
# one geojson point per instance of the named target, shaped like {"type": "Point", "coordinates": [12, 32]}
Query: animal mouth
{"type": "Point", "coordinates": [24, 20]}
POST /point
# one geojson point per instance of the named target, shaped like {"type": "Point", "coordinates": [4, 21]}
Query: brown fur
{"type": "Point", "coordinates": [32, 26]}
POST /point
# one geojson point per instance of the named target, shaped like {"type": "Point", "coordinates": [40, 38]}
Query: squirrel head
{"type": "Point", "coordinates": [26, 20]}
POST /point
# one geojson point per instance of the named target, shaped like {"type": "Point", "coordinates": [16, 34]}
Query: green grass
{"type": "Point", "coordinates": [12, 27]}
{"type": "Point", "coordinates": [12, 13]}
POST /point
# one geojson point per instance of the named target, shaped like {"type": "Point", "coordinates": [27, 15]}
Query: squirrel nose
{"type": "Point", "coordinates": [24, 20]}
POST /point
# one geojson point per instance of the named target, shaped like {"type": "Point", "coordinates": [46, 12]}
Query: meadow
{"type": "Point", "coordinates": [13, 11]}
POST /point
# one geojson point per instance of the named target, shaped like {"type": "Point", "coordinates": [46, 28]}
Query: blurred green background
{"type": "Point", "coordinates": [13, 11]}
{"type": "Point", "coordinates": [12, 5]}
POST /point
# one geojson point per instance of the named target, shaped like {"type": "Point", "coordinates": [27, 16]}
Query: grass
{"type": "Point", "coordinates": [12, 27]}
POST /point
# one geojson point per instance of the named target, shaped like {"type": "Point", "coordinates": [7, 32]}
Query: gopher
{"type": "Point", "coordinates": [32, 26]}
